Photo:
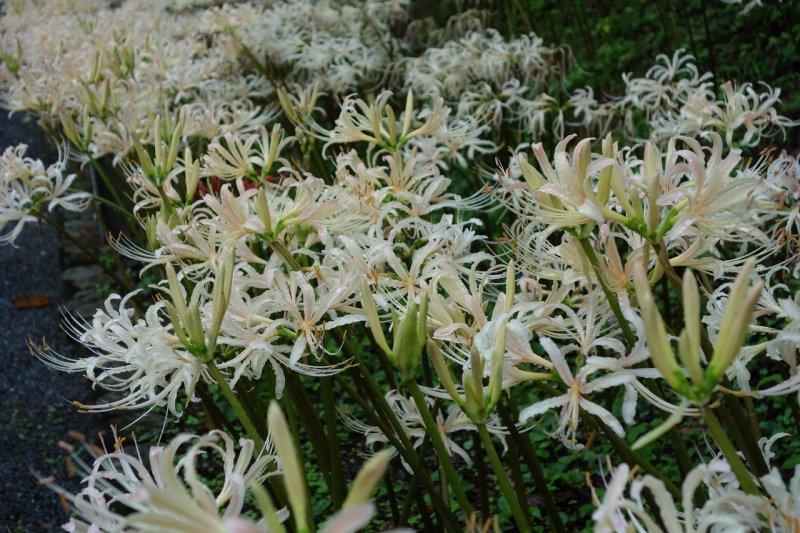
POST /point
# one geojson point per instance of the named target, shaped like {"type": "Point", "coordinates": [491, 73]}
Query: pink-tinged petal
{"type": "Point", "coordinates": [604, 415]}
{"type": "Point", "coordinates": [557, 358]}
{"type": "Point", "coordinates": [344, 320]}
{"type": "Point", "coordinates": [590, 209]}
{"type": "Point", "coordinates": [298, 349]}
{"type": "Point", "coordinates": [607, 381]}
{"type": "Point", "coordinates": [542, 407]}
{"type": "Point", "coordinates": [350, 520]}
{"type": "Point", "coordinates": [241, 525]}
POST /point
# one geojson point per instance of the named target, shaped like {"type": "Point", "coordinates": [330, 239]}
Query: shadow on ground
{"type": "Point", "coordinates": [35, 409]}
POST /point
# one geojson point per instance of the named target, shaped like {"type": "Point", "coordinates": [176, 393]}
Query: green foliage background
{"type": "Point", "coordinates": [609, 38]}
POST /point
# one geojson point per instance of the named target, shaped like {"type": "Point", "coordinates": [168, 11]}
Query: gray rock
{"type": "Point", "coordinates": [86, 277]}
{"type": "Point", "coordinates": [85, 302]}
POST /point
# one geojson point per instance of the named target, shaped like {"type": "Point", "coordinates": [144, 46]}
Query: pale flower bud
{"type": "Point", "coordinates": [371, 312]}
{"type": "Point", "coordinates": [443, 373]}
{"type": "Point", "coordinates": [262, 208]}
{"type": "Point", "coordinates": [656, 333]}
{"type": "Point", "coordinates": [410, 336]}
{"type": "Point", "coordinates": [734, 329]}
{"type": "Point", "coordinates": [191, 173]}
{"type": "Point", "coordinates": [293, 477]}
{"type": "Point", "coordinates": [689, 349]}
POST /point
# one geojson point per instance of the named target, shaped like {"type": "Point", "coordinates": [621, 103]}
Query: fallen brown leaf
{"type": "Point", "coordinates": [29, 301]}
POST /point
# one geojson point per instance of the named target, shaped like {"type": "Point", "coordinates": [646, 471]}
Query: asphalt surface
{"type": "Point", "coordinates": [35, 413]}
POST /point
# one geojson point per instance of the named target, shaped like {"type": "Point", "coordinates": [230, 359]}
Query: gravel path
{"type": "Point", "coordinates": [35, 413]}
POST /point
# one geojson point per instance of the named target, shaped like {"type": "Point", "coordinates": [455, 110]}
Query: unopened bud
{"type": "Point", "coordinates": [738, 312]}
{"type": "Point", "coordinates": [656, 333]}
{"type": "Point", "coordinates": [293, 477]}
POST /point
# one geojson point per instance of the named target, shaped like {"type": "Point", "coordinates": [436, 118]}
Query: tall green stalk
{"type": "Point", "coordinates": [233, 400]}
{"type": "Point", "coordinates": [377, 417]}
{"type": "Point", "coordinates": [613, 301]}
{"type": "Point", "coordinates": [394, 432]}
{"type": "Point", "coordinates": [110, 186]}
{"type": "Point", "coordinates": [729, 451]}
{"type": "Point", "coordinates": [441, 451]}
{"type": "Point", "coordinates": [534, 466]}
{"type": "Point", "coordinates": [628, 454]}
{"type": "Point", "coordinates": [627, 332]}
{"type": "Point", "coordinates": [404, 446]}
{"type": "Point", "coordinates": [502, 479]}
{"type": "Point", "coordinates": [744, 434]}
{"type": "Point", "coordinates": [332, 434]}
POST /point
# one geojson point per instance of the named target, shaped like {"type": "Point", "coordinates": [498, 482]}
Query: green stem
{"type": "Point", "coordinates": [729, 451]}
{"type": "Point", "coordinates": [216, 417]}
{"type": "Point", "coordinates": [274, 487]}
{"type": "Point", "coordinates": [332, 434]}
{"type": "Point", "coordinates": [502, 478]}
{"type": "Point", "coordinates": [364, 376]}
{"type": "Point", "coordinates": [377, 417]}
{"type": "Point", "coordinates": [109, 184]}
{"type": "Point", "coordinates": [534, 466]}
{"type": "Point", "coordinates": [481, 479]}
{"type": "Point", "coordinates": [514, 464]}
{"type": "Point", "coordinates": [630, 455]}
{"type": "Point", "coordinates": [311, 423]}
{"type": "Point", "coordinates": [404, 446]}
{"type": "Point", "coordinates": [743, 434]}
{"type": "Point", "coordinates": [114, 206]}
{"type": "Point", "coordinates": [280, 249]}
{"type": "Point", "coordinates": [392, 497]}
{"type": "Point", "coordinates": [441, 451]}
{"type": "Point", "coordinates": [234, 402]}
{"type": "Point", "coordinates": [249, 402]}
{"type": "Point", "coordinates": [613, 301]}
{"type": "Point", "coordinates": [740, 432]}
{"type": "Point", "coordinates": [675, 440]}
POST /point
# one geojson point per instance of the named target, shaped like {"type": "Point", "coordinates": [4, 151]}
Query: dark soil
{"type": "Point", "coordinates": [35, 409]}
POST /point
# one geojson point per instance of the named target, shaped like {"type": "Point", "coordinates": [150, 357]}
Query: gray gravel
{"type": "Point", "coordinates": [35, 413]}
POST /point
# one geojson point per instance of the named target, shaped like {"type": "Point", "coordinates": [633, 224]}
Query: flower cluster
{"type": "Point", "coordinates": [312, 211]}
{"type": "Point", "coordinates": [29, 190]}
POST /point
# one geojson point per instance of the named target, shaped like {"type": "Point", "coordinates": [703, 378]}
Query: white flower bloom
{"type": "Point", "coordinates": [727, 508]}
{"type": "Point", "coordinates": [27, 186]}
{"type": "Point", "coordinates": [576, 397]}
{"type": "Point", "coordinates": [124, 492]}
{"type": "Point", "coordinates": [140, 359]}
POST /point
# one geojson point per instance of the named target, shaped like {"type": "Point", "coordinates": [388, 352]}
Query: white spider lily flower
{"type": "Point", "coordinates": [230, 160]}
{"type": "Point", "coordinates": [726, 509]}
{"type": "Point", "coordinates": [563, 193]}
{"type": "Point", "coordinates": [125, 492]}
{"type": "Point", "coordinates": [712, 199]}
{"type": "Point", "coordinates": [299, 100]}
{"type": "Point", "coordinates": [270, 148]}
{"type": "Point", "coordinates": [308, 202]}
{"type": "Point", "coordinates": [257, 328]}
{"type": "Point", "coordinates": [27, 186]}
{"type": "Point", "coordinates": [376, 123]}
{"type": "Point", "coordinates": [609, 515]}
{"type": "Point", "coordinates": [233, 217]}
{"type": "Point", "coordinates": [307, 310]}
{"type": "Point", "coordinates": [143, 360]}
{"type": "Point", "coordinates": [576, 398]}
{"type": "Point", "coordinates": [250, 157]}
